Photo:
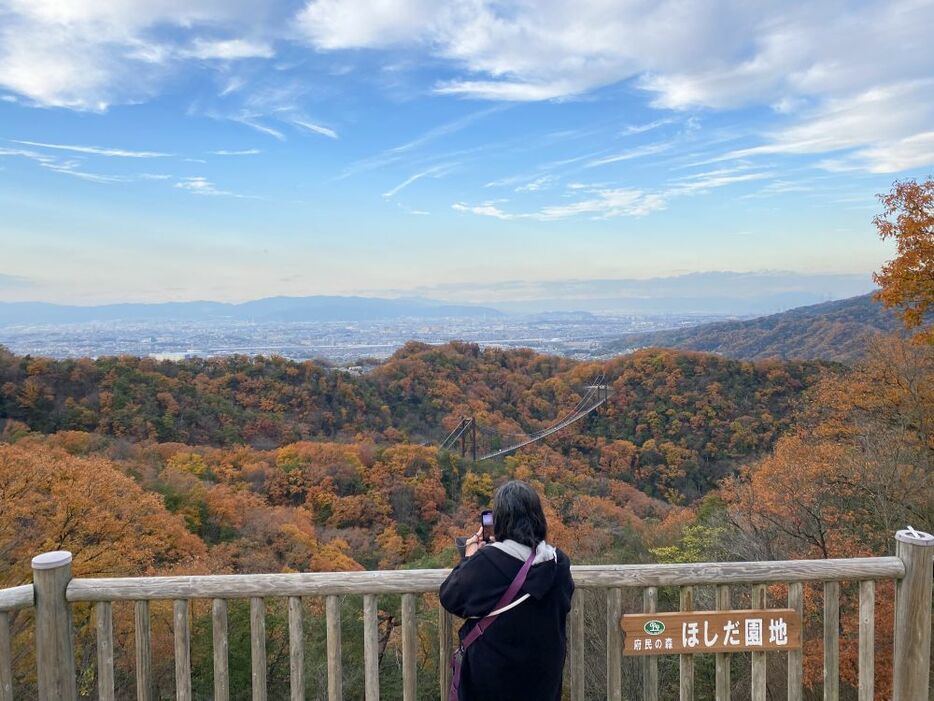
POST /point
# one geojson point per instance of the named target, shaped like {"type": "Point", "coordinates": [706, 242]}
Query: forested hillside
{"type": "Point", "coordinates": [265, 465]}
{"type": "Point", "coordinates": [680, 418]}
{"type": "Point", "coordinates": [839, 331]}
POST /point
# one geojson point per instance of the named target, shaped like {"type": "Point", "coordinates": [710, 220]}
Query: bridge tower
{"type": "Point", "coordinates": [603, 393]}
{"type": "Point", "coordinates": [469, 425]}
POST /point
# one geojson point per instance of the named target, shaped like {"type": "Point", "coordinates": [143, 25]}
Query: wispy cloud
{"type": "Point", "coordinates": [227, 49]}
{"type": "Point", "coordinates": [25, 153]}
{"type": "Point", "coordinates": [881, 130]}
{"type": "Point", "coordinates": [414, 212]}
{"type": "Point", "coordinates": [397, 153]}
{"type": "Point", "coordinates": [316, 128]}
{"type": "Point", "coordinates": [916, 151]}
{"type": "Point", "coordinates": [436, 171]}
{"type": "Point", "coordinates": [199, 185]}
{"type": "Point", "coordinates": [606, 201]}
{"type": "Point", "coordinates": [537, 184]}
{"type": "Point", "coordinates": [95, 150]}
{"type": "Point", "coordinates": [65, 166]}
{"type": "Point", "coordinates": [602, 204]}
{"type": "Point", "coordinates": [243, 152]}
{"type": "Point", "coordinates": [73, 168]}
{"type": "Point", "coordinates": [633, 129]}
{"type": "Point", "coordinates": [842, 64]}
{"type": "Point", "coordinates": [250, 121]}
{"type": "Point", "coordinates": [713, 179]}
{"type": "Point", "coordinates": [232, 85]}
{"type": "Point", "coordinates": [510, 91]}
{"type": "Point", "coordinates": [630, 154]}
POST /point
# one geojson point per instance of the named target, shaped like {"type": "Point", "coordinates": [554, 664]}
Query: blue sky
{"type": "Point", "coordinates": [224, 149]}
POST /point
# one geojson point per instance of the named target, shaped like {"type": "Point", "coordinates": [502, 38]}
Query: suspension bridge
{"type": "Point", "coordinates": [483, 443]}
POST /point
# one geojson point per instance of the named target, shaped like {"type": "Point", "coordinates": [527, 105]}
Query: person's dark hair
{"type": "Point", "coordinates": [518, 515]}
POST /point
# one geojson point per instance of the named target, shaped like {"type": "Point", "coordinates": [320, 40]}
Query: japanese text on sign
{"type": "Point", "coordinates": [711, 631]}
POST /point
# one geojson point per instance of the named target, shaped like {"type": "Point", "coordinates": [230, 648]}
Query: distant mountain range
{"type": "Point", "coordinates": [714, 292]}
{"type": "Point", "coordinates": [710, 293]}
{"type": "Point", "coordinates": [290, 309]}
{"type": "Point", "coordinates": [837, 330]}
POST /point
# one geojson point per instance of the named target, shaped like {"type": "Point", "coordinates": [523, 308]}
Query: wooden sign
{"type": "Point", "coordinates": [693, 632]}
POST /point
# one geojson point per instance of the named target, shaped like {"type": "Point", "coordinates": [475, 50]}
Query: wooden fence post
{"type": "Point", "coordinates": [55, 635]}
{"type": "Point", "coordinates": [912, 664]}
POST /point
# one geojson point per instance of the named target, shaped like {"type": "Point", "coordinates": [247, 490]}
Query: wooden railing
{"type": "Point", "coordinates": [54, 590]}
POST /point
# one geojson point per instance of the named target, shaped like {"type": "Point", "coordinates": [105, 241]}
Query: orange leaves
{"type": "Point", "coordinates": [798, 495]}
{"type": "Point", "coordinates": [618, 458]}
{"type": "Point", "coordinates": [51, 500]}
{"type": "Point", "coordinates": [859, 466]}
{"type": "Point", "coordinates": [907, 281]}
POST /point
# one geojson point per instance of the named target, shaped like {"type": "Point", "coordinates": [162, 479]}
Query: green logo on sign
{"type": "Point", "coordinates": [654, 627]}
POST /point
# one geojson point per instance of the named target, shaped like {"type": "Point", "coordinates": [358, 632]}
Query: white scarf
{"type": "Point", "coordinates": [543, 553]}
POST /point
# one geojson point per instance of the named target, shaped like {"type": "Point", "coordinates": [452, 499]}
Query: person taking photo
{"type": "Point", "coordinates": [514, 591]}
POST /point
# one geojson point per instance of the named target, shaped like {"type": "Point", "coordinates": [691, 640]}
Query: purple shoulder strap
{"type": "Point", "coordinates": [507, 598]}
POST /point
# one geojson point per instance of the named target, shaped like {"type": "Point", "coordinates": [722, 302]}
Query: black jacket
{"type": "Point", "coordinates": [521, 655]}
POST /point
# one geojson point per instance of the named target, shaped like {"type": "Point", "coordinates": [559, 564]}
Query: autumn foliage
{"type": "Point", "coordinates": [907, 281]}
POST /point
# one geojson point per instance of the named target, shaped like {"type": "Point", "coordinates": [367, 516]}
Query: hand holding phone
{"type": "Point", "coordinates": [486, 526]}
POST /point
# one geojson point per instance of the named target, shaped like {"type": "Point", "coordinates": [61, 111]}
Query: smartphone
{"type": "Point", "coordinates": [486, 521]}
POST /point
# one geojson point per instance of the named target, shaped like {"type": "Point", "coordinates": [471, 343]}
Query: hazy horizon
{"type": "Point", "coordinates": [535, 295]}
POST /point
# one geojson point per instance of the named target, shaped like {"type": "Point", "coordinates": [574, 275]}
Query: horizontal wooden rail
{"type": "Point", "coordinates": [17, 598]}
{"type": "Point", "coordinates": [240, 586]}
{"type": "Point", "coordinates": [711, 573]}
{"type": "Point", "coordinates": [418, 581]}
{"type": "Point", "coordinates": [54, 630]}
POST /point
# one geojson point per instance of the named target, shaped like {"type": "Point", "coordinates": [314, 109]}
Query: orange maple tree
{"type": "Point", "coordinates": [907, 281]}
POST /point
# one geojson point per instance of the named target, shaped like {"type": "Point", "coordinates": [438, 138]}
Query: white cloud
{"type": "Point", "coordinates": [243, 152]}
{"type": "Point", "coordinates": [64, 167]}
{"type": "Point", "coordinates": [642, 128]}
{"type": "Point", "coordinates": [199, 185]}
{"type": "Point", "coordinates": [605, 201]}
{"type": "Point", "coordinates": [486, 210]}
{"type": "Point", "coordinates": [629, 154]}
{"type": "Point", "coordinates": [26, 153]}
{"type": "Point", "coordinates": [885, 130]}
{"type": "Point", "coordinates": [803, 59]}
{"type": "Point", "coordinates": [702, 182]}
{"type": "Point", "coordinates": [251, 122]}
{"type": "Point", "coordinates": [414, 212]}
{"type": "Point", "coordinates": [95, 150]}
{"type": "Point", "coordinates": [609, 203]}
{"type": "Point", "coordinates": [338, 24]}
{"type": "Point", "coordinates": [537, 184]}
{"type": "Point", "coordinates": [603, 204]}
{"type": "Point", "coordinates": [397, 153]}
{"type": "Point", "coordinates": [436, 171]}
{"type": "Point", "coordinates": [316, 128]}
{"type": "Point", "coordinates": [233, 84]}
{"type": "Point", "coordinates": [509, 90]}
{"type": "Point", "coordinates": [228, 49]}
{"type": "Point", "coordinates": [916, 151]}
{"type": "Point", "coordinates": [89, 54]}
{"type": "Point", "coordinates": [73, 168]}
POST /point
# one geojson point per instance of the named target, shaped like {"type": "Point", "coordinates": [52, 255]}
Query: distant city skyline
{"type": "Point", "coordinates": [154, 150]}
